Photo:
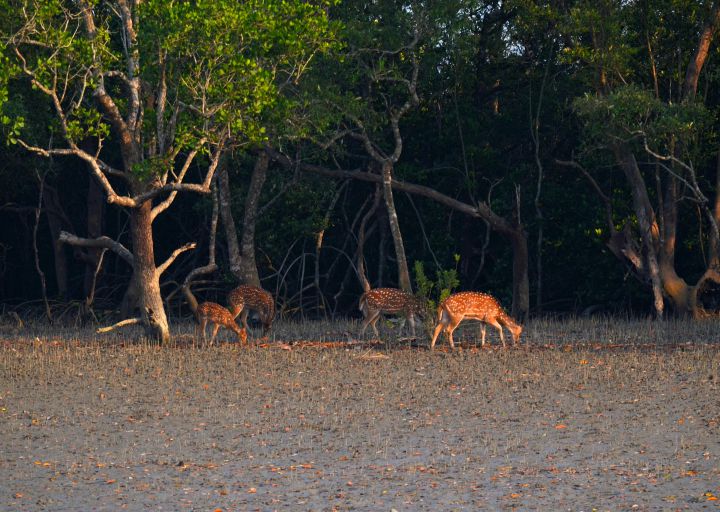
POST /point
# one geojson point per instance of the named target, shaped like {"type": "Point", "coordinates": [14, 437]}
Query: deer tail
{"type": "Point", "coordinates": [441, 313]}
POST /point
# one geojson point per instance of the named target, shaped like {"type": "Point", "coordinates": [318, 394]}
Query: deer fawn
{"type": "Point", "coordinates": [246, 297]}
{"type": "Point", "coordinates": [388, 300]}
{"type": "Point", "coordinates": [473, 306]}
{"type": "Point", "coordinates": [217, 316]}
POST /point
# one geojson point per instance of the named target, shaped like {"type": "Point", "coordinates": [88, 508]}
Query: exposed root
{"type": "Point", "coordinates": [122, 323]}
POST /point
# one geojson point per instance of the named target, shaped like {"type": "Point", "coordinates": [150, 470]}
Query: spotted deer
{"type": "Point", "coordinates": [213, 314]}
{"type": "Point", "coordinates": [388, 300]}
{"type": "Point", "coordinates": [217, 316]}
{"type": "Point", "coordinates": [473, 306]}
{"type": "Point", "coordinates": [246, 297]}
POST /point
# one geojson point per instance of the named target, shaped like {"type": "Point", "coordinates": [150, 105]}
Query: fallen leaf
{"type": "Point", "coordinates": [560, 426]}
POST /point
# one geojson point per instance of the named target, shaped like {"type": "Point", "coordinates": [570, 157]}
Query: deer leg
{"type": "Point", "coordinates": [266, 321]}
{"type": "Point", "coordinates": [244, 317]}
{"type": "Point", "coordinates": [497, 326]}
{"type": "Point", "coordinates": [371, 319]}
{"type": "Point", "coordinates": [366, 321]}
{"type": "Point", "coordinates": [203, 326]}
{"type": "Point", "coordinates": [451, 326]}
{"type": "Point", "coordinates": [403, 322]}
{"type": "Point", "coordinates": [216, 328]}
{"type": "Point", "coordinates": [483, 328]}
{"type": "Point", "coordinates": [373, 322]}
{"type": "Point", "coordinates": [438, 328]}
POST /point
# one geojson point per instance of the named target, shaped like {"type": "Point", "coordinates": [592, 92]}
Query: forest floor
{"type": "Point", "coordinates": [593, 414]}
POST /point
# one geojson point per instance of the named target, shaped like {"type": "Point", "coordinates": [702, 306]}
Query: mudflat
{"type": "Point", "coordinates": [604, 414]}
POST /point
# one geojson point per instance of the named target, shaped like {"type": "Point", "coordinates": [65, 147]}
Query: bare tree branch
{"type": "Point", "coordinates": [102, 242]}
{"type": "Point", "coordinates": [177, 252]}
{"type": "Point", "coordinates": [211, 265]}
{"type": "Point", "coordinates": [605, 199]}
{"type": "Point", "coordinates": [480, 210]}
{"type": "Point", "coordinates": [165, 204]}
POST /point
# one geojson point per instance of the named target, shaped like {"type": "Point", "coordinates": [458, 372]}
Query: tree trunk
{"type": "Point", "coordinates": [702, 51]}
{"type": "Point", "coordinates": [683, 296]}
{"type": "Point", "coordinates": [95, 214]}
{"type": "Point", "coordinates": [51, 203]}
{"type": "Point", "coordinates": [248, 265]}
{"type": "Point", "coordinates": [146, 274]}
{"type": "Point", "coordinates": [382, 240]}
{"type": "Point", "coordinates": [362, 235]}
{"type": "Point", "coordinates": [403, 272]}
{"type": "Point", "coordinates": [677, 290]}
{"type": "Point", "coordinates": [223, 183]}
{"type": "Point", "coordinates": [649, 230]}
{"type": "Point", "coordinates": [521, 280]}
{"type": "Point", "coordinates": [714, 250]}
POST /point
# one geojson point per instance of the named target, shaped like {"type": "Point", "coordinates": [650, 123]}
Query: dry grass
{"type": "Point", "coordinates": [606, 414]}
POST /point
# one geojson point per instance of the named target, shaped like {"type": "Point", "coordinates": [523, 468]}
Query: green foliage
{"type": "Point", "coordinates": [151, 168]}
{"type": "Point", "coordinates": [631, 113]}
{"type": "Point", "coordinates": [87, 122]}
{"type": "Point", "coordinates": [598, 31]}
{"type": "Point", "coordinates": [248, 51]}
{"type": "Point", "coordinates": [224, 64]}
{"type": "Point", "coordinates": [11, 120]}
{"type": "Point", "coordinates": [434, 292]}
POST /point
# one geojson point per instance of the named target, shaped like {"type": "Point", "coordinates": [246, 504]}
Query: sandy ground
{"type": "Point", "coordinates": [586, 415]}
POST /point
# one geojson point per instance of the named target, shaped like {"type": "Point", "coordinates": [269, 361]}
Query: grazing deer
{"type": "Point", "coordinates": [213, 314]}
{"type": "Point", "coordinates": [246, 297]}
{"type": "Point", "coordinates": [388, 300]}
{"type": "Point", "coordinates": [473, 306]}
{"type": "Point", "coordinates": [217, 316]}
